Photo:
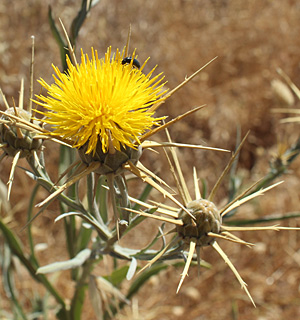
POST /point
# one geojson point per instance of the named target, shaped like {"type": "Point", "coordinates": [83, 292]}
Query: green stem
{"type": "Point", "coordinates": [29, 215]}
{"type": "Point", "coordinates": [44, 180]}
{"type": "Point", "coordinates": [123, 197]}
{"type": "Point", "coordinates": [79, 295]}
{"type": "Point", "coordinates": [17, 251]}
{"type": "Point", "coordinates": [102, 198]}
{"type": "Point", "coordinates": [93, 209]}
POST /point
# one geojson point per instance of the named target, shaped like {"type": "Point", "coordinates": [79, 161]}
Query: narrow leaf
{"type": "Point", "coordinates": [95, 298]}
{"type": "Point", "coordinates": [62, 45]}
{"type": "Point", "coordinates": [132, 269]}
{"type": "Point", "coordinates": [77, 261]}
{"type": "Point", "coordinates": [117, 276]}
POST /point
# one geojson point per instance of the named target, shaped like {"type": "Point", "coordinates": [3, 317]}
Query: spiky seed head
{"type": "Point", "coordinates": [12, 140]}
{"type": "Point", "coordinates": [207, 219]}
{"type": "Point", "coordinates": [110, 162]}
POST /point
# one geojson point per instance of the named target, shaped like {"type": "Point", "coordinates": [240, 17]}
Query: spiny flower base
{"type": "Point", "coordinates": [207, 219]}
{"type": "Point", "coordinates": [15, 139]}
{"type": "Point", "coordinates": [110, 162]}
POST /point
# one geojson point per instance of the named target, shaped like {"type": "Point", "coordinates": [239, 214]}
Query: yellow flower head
{"type": "Point", "coordinates": [99, 100]}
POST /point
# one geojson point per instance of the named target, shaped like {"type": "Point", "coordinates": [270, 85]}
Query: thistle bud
{"type": "Point", "coordinates": [16, 139]}
{"type": "Point", "coordinates": [207, 219]}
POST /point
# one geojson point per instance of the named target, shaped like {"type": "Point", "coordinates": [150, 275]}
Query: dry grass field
{"type": "Point", "coordinates": [252, 39]}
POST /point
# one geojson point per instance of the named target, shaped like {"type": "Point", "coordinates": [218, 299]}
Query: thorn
{"type": "Point", "coordinates": [71, 49]}
{"type": "Point", "coordinates": [128, 40]}
{"type": "Point", "coordinates": [111, 148]}
{"type": "Point", "coordinates": [198, 260]}
{"type": "Point", "coordinates": [233, 269]}
{"type": "Point", "coordinates": [156, 105]}
{"type": "Point", "coordinates": [225, 171]}
{"type": "Point", "coordinates": [35, 155]}
{"type": "Point", "coordinates": [4, 100]}
{"type": "Point", "coordinates": [21, 96]}
{"type": "Point", "coordinates": [187, 265]}
{"type": "Point", "coordinates": [92, 167]}
{"type": "Point", "coordinates": [19, 132]}
{"type": "Point", "coordinates": [12, 172]}
{"type": "Point", "coordinates": [31, 76]}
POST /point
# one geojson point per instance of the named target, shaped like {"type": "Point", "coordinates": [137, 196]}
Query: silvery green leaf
{"type": "Point", "coordinates": [95, 298]}
{"type": "Point", "coordinates": [132, 269]}
{"type": "Point", "coordinates": [102, 229]}
{"type": "Point", "coordinates": [77, 261]}
{"type": "Point", "coordinates": [31, 175]}
{"type": "Point", "coordinates": [40, 247]}
{"type": "Point", "coordinates": [67, 214]}
{"type": "Point", "coordinates": [123, 223]}
{"type": "Point", "coordinates": [4, 203]}
{"type": "Point", "coordinates": [87, 225]}
{"type": "Point", "coordinates": [57, 36]}
{"type": "Point", "coordinates": [94, 2]}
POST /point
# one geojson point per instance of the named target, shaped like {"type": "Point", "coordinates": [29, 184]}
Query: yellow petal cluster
{"type": "Point", "coordinates": [99, 100]}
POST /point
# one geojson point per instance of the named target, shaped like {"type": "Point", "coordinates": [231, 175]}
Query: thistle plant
{"type": "Point", "coordinates": [102, 112]}
{"type": "Point", "coordinates": [203, 224]}
{"type": "Point", "coordinates": [104, 108]}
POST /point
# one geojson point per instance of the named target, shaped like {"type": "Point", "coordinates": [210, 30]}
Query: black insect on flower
{"type": "Point", "coordinates": [135, 62]}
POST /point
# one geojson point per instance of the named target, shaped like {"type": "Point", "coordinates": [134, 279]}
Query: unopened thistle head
{"type": "Point", "coordinates": [101, 103]}
{"type": "Point", "coordinates": [198, 223]}
{"type": "Point", "coordinates": [19, 131]}
{"type": "Point", "coordinates": [19, 135]}
{"type": "Point", "coordinates": [14, 139]}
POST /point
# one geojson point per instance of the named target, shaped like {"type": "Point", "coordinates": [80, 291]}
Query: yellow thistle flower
{"type": "Point", "coordinates": [105, 107]}
{"type": "Point", "coordinates": [100, 100]}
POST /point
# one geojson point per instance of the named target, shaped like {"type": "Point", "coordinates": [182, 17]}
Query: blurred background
{"type": "Point", "coordinates": [251, 39]}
